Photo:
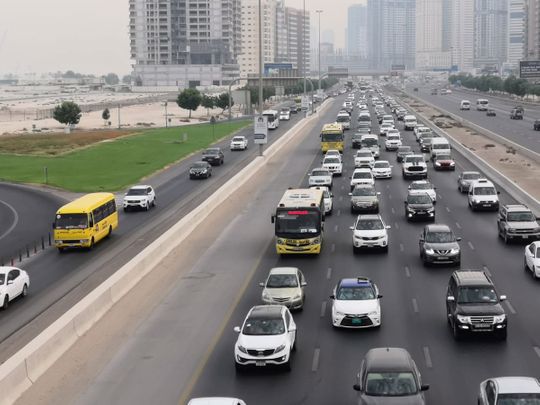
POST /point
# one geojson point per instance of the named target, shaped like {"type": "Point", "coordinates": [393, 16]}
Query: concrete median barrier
{"type": "Point", "coordinates": [20, 371]}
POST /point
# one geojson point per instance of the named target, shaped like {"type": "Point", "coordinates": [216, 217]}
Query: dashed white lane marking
{"type": "Point", "coordinates": [393, 210]}
{"type": "Point", "coordinates": [407, 271]}
{"type": "Point", "coordinates": [510, 307]}
{"type": "Point", "coordinates": [338, 213]}
{"type": "Point", "coordinates": [335, 228]}
{"type": "Point", "coordinates": [340, 198]}
{"type": "Point", "coordinates": [458, 225]}
{"type": "Point", "coordinates": [470, 245]}
{"type": "Point", "coordinates": [333, 248]}
{"type": "Point", "coordinates": [329, 273]}
{"type": "Point", "coordinates": [396, 225]}
{"type": "Point", "coordinates": [447, 209]}
{"type": "Point", "coordinates": [415, 305]}
{"type": "Point", "coordinates": [315, 362]}
{"type": "Point", "coordinates": [537, 350]}
{"type": "Point", "coordinates": [439, 196]}
{"type": "Point", "coordinates": [342, 187]}
{"type": "Point", "coordinates": [487, 270]}
{"type": "Point", "coordinates": [389, 196]}
{"type": "Point", "coordinates": [427, 357]}
{"type": "Point", "coordinates": [401, 247]}
{"type": "Point", "coordinates": [323, 309]}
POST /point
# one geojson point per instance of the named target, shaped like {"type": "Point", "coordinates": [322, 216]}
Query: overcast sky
{"type": "Point", "coordinates": [91, 36]}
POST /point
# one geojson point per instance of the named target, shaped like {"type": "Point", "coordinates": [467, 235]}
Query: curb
{"type": "Point", "coordinates": [20, 371]}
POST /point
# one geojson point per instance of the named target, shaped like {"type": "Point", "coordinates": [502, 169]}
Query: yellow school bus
{"type": "Point", "coordinates": [85, 221]}
{"type": "Point", "coordinates": [299, 221]}
{"type": "Point", "coordinates": [332, 137]}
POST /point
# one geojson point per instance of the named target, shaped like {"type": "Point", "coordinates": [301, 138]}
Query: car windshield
{"type": "Point", "coordinates": [477, 295]}
{"type": "Point", "coordinates": [364, 117]}
{"type": "Point", "coordinates": [332, 160]}
{"type": "Point", "coordinates": [415, 159]}
{"type": "Point", "coordinates": [521, 216]}
{"type": "Point", "coordinates": [381, 165]}
{"type": "Point", "coordinates": [362, 175]}
{"type": "Point", "coordinates": [386, 125]}
{"type": "Point", "coordinates": [343, 118]}
{"type": "Point", "coordinates": [440, 237]}
{"type": "Point", "coordinates": [71, 221]}
{"type": "Point", "coordinates": [282, 281]}
{"type": "Point", "coordinates": [444, 157]}
{"type": "Point", "coordinates": [238, 139]}
{"type": "Point", "coordinates": [264, 326]}
{"type": "Point", "coordinates": [284, 110]}
{"type": "Point", "coordinates": [212, 151]}
{"type": "Point", "coordinates": [421, 186]}
{"type": "Point", "coordinates": [392, 137]}
{"type": "Point", "coordinates": [403, 149]}
{"type": "Point", "coordinates": [471, 176]}
{"type": "Point", "coordinates": [390, 384]}
{"type": "Point", "coordinates": [484, 191]}
{"type": "Point", "coordinates": [2, 279]}
{"type": "Point", "coordinates": [320, 173]}
{"type": "Point", "coordinates": [369, 225]}
{"type": "Point", "coordinates": [419, 199]}
{"type": "Point", "coordinates": [356, 293]}
{"type": "Point", "coordinates": [364, 191]}
{"type": "Point", "coordinates": [361, 153]}
{"type": "Point", "coordinates": [199, 165]}
{"type": "Point", "coordinates": [136, 191]}
{"type": "Point", "coordinates": [518, 399]}
{"type": "Point", "coordinates": [368, 142]}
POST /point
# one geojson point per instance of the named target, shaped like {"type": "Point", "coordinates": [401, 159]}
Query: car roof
{"type": "Point", "coordinates": [284, 270]}
{"type": "Point", "coordinates": [362, 170]}
{"type": "Point", "coordinates": [517, 385]}
{"type": "Point", "coordinates": [388, 359]}
{"type": "Point", "coordinates": [421, 182]}
{"type": "Point", "coordinates": [266, 311]}
{"type": "Point", "coordinates": [482, 182]}
{"type": "Point", "coordinates": [516, 207]}
{"type": "Point", "coordinates": [369, 216]}
{"type": "Point", "coordinates": [355, 282]}
{"type": "Point", "coordinates": [214, 401]}
{"type": "Point", "coordinates": [472, 277]}
{"type": "Point", "coordinates": [139, 186]}
{"type": "Point", "coordinates": [437, 228]}
{"type": "Point", "coordinates": [5, 269]}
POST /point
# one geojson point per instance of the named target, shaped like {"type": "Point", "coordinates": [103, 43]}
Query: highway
{"type": "Point", "coordinates": [518, 131]}
{"type": "Point", "coordinates": [154, 365]}
{"type": "Point", "coordinates": [59, 281]}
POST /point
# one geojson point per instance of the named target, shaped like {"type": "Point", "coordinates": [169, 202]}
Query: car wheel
{"type": "Point", "coordinates": [91, 244]}
{"type": "Point", "coordinates": [154, 203]}
{"type": "Point", "coordinates": [505, 237]}
{"type": "Point", "coordinates": [125, 209]}
{"type": "Point", "coordinates": [385, 249]}
{"type": "Point", "coordinates": [24, 292]}
{"type": "Point", "coordinates": [456, 332]}
{"type": "Point", "coordinates": [147, 206]}
{"type": "Point", "coordinates": [294, 344]}
{"type": "Point", "coordinates": [60, 250]}
{"type": "Point", "coordinates": [460, 188]}
{"type": "Point", "coordinates": [355, 250]}
{"type": "Point", "coordinates": [5, 305]}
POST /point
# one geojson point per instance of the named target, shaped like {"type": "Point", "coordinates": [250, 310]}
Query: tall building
{"type": "Point", "coordinates": [490, 33]}
{"type": "Point", "coordinates": [298, 39]}
{"type": "Point", "coordinates": [249, 56]}
{"type": "Point", "coordinates": [281, 51]}
{"type": "Point", "coordinates": [462, 34]}
{"type": "Point", "coordinates": [184, 43]}
{"type": "Point", "coordinates": [432, 50]}
{"type": "Point", "coordinates": [533, 30]}
{"type": "Point", "coordinates": [517, 34]}
{"type": "Point", "coordinates": [357, 31]}
{"type": "Point", "coordinates": [391, 33]}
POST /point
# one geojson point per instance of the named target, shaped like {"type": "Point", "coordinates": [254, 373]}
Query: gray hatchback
{"type": "Point", "coordinates": [388, 374]}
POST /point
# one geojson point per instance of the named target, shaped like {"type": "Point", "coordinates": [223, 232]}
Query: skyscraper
{"type": "Point", "coordinates": [490, 33]}
{"type": "Point", "coordinates": [533, 30]}
{"type": "Point", "coordinates": [517, 34]}
{"type": "Point", "coordinates": [298, 38]}
{"type": "Point", "coordinates": [432, 49]}
{"type": "Point", "coordinates": [391, 33]}
{"type": "Point", "coordinates": [357, 31]}
{"type": "Point", "coordinates": [184, 43]}
{"type": "Point", "coordinates": [462, 34]}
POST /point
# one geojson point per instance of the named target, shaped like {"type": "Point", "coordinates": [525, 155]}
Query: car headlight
{"type": "Point", "coordinates": [279, 348]}
{"type": "Point", "coordinates": [266, 295]}
{"type": "Point", "coordinates": [205, 170]}
{"type": "Point", "coordinates": [297, 297]}
{"type": "Point", "coordinates": [536, 230]}
{"type": "Point", "coordinates": [452, 163]}
{"type": "Point", "coordinates": [430, 251]}
{"type": "Point", "coordinates": [373, 313]}
{"type": "Point", "coordinates": [511, 230]}
{"type": "Point", "coordinates": [499, 318]}
{"type": "Point", "coordinates": [242, 349]}
{"type": "Point", "coordinates": [337, 313]}
{"type": "Point", "coordinates": [463, 319]}
{"type": "Point", "coordinates": [409, 209]}
{"type": "Point", "coordinates": [430, 209]}
{"type": "Point", "coordinates": [437, 163]}
{"type": "Point", "coordinates": [454, 251]}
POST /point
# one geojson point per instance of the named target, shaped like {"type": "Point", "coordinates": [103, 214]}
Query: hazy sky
{"type": "Point", "coordinates": [91, 36]}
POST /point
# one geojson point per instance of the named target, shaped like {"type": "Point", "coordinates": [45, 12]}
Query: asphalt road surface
{"type": "Point", "coordinates": [151, 366]}
{"type": "Point", "coordinates": [58, 281]}
{"type": "Point", "coordinates": [518, 131]}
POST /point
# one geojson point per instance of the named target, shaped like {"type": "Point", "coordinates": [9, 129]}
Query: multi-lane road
{"type": "Point", "coordinates": [518, 131]}
{"type": "Point", "coordinates": [153, 365]}
{"type": "Point", "coordinates": [59, 281]}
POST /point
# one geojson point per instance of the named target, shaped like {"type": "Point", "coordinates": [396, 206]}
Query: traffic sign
{"type": "Point", "coordinates": [260, 135]}
{"type": "Point", "coordinates": [305, 102]}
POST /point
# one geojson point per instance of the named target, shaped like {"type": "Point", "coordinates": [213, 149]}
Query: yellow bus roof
{"type": "Point", "coordinates": [334, 127]}
{"type": "Point", "coordinates": [301, 197]}
{"type": "Point", "coordinates": [86, 203]}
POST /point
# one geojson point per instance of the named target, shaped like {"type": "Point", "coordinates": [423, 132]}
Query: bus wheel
{"type": "Point", "coordinates": [110, 231]}
{"type": "Point", "coordinates": [60, 250]}
{"type": "Point", "coordinates": [91, 244]}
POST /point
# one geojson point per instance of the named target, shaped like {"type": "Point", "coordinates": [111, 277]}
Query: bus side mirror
{"type": "Point", "coordinates": [273, 218]}
{"type": "Point", "coordinates": [53, 225]}
{"type": "Point", "coordinates": [91, 223]}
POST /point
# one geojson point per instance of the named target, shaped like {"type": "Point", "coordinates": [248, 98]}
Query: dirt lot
{"type": "Point", "coordinates": [521, 170]}
{"type": "Point", "coordinates": [55, 144]}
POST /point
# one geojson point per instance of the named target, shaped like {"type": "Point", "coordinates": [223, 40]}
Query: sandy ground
{"type": "Point", "coordinates": [521, 170]}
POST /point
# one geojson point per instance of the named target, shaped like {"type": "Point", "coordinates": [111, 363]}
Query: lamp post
{"type": "Point", "coordinates": [260, 70]}
{"type": "Point", "coordinates": [166, 116]}
{"type": "Point", "coordinates": [302, 45]}
{"type": "Point", "coordinates": [213, 123]}
{"type": "Point", "coordinates": [319, 52]}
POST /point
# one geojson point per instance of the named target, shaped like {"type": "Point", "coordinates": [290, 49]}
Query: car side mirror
{"type": "Point", "coordinates": [351, 228]}
{"type": "Point", "coordinates": [458, 238]}
{"type": "Point", "coordinates": [10, 282]}
{"type": "Point", "coordinates": [292, 328]}
{"type": "Point", "coordinates": [356, 387]}
{"type": "Point", "coordinates": [378, 193]}
{"type": "Point", "coordinates": [303, 284]}
{"type": "Point", "coordinates": [331, 195]}
{"type": "Point", "coordinates": [424, 387]}
{"type": "Point", "coordinates": [379, 296]}
{"type": "Point", "coordinates": [237, 329]}
{"type": "Point", "coordinates": [332, 297]}
{"type": "Point", "coordinates": [502, 298]}
{"type": "Point", "coordinates": [450, 298]}
{"type": "Point", "coordinates": [405, 202]}
{"type": "Point", "coordinates": [273, 218]}
{"type": "Point", "coordinates": [261, 284]}
{"type": "Point", "coordinates": [388, 227]}
{"type": "Point", "coordinates": [498, 192]}
{"type": "Point", "coordinates": [350, 193]}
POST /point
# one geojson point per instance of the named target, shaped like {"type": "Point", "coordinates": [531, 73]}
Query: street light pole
{"type": "Point", "coordinates": [166, 116]}
{"type": "Point", "coordinates": [302, 45]}
{"type": "Point", "coordinates": [319, 12]}
{"type": "Point", "coordinates": [260, 70]}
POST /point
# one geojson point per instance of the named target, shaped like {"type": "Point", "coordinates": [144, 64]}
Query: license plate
{"type": "Point", "coordinates": [482, 326]}
{"type": "Point", "coordinates": [420, 212]}
{"type": "Point", "coordinates": [442, 258]}
{"type": "Point", "coordinates": [260, 363]}
{"type": "Point", "coordinates": [356, 321]}
{"type": "Point", "coordinates": [486, 205]}
{"type": "Point", "coordinates": [524, 237]}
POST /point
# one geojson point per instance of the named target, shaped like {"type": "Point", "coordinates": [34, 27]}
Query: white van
{"type": "Point", "coordinates": [482, 104]}
{"type": "Point", "coordinates": [439, 146]}
{"type": "Point", "coordinates": [409, 122]}
{"type": "Point", "coordinates": [483, 195]}
{"type": "Point", "coordinates": [465, 105]}
{"type": "Point", "coordinates": [344, 119]}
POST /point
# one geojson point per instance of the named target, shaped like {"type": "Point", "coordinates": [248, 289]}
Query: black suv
{"type": "Point", "coordinates": [419, 206]}
{"type": "Point", "coordinates": [517, 113]}
{"type": "Point", "coordinates": [214, 156]}
{"type": "Point", "coordinates": [357, 140]}
{"type": "Point", "coordinates": [438, 244]}
{"type": "Point", "coordinates": [473, 305]}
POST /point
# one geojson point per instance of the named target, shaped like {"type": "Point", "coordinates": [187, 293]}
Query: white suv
{"type": "Point", "coordinates": [140, 197]}
{"type": "Point", "coordinates": [414, 166]}
{"type": "Point", "coordinates": [370, 231]}
{"type": "Point", "coordinates": [320, 177]}
{"type": "Point", "coordinates": [267, 337]}
{"type": "Point", "coordinates": [364, 158]}
{"type": "Point", "coordinates": [356, 304]}
{"type": "Point", "coordinates": [362, 176]}
{"type": "Point", "coordinates": [333, 164]}
{"type": "Point", "coordinates": [239, 143]}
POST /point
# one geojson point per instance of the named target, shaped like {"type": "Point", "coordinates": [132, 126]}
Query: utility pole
{"type": "Point", "coordinates": [166, 116]}
{"type": "Point", "coordinates": [119, 126]}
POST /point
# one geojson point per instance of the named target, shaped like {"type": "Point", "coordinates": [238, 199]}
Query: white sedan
{"type": "Point", "coordinates": [14, 282]}
{"type": "Point", "coordinates": [532, 259]}
{"type": "Point", "coordinates": [139, 197]}
{"type": "Point", "coordinates": [320, 177]}
{"type": "Point", "coordinates": [355, 304]}
{"type": "Point", "coordinates": [328, 199]}
{"type": "Point", "coordinates": [382, 170]}
{"type": "Point", "coordinates": [364, 158]}
{"type": "Point", "coordinates": [423, 187]}
{"type": "Point", "coordinates": [267, 337]}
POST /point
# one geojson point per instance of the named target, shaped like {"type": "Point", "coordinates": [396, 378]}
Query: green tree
{"type": "Point", "coordinates": [222, 101]}
{"type": "Point", "coordinates": [112, 79]}
{"type": "Point", "coordinates": [189, 99]}
{"type": "Point", "coordinates": [67, 113]}
{"type": "Point", "coordinates": [126, 79]}
{"type": "Point", "coordinates": [106, 114]}
{"type": "Point", "coordinates": [208, 102]}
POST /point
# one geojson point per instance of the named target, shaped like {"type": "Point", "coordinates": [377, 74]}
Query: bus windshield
{"type": "Point", "coordinates": [343, 118]}
{"type": "Point", "coordinates": [71, 221]}
{"type": "Point", "coordinates": [270, 117]}
{"type": "Point", "coordinates": [298, 223]}
{"type": "Point", "coordinates": [329, 137]}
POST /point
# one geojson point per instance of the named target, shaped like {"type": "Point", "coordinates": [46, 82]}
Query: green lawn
{"type": "Point", "coordinates": [113, 165]}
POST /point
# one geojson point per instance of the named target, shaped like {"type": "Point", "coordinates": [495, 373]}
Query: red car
{"type": "Point", "coordinates": [444, 162]}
